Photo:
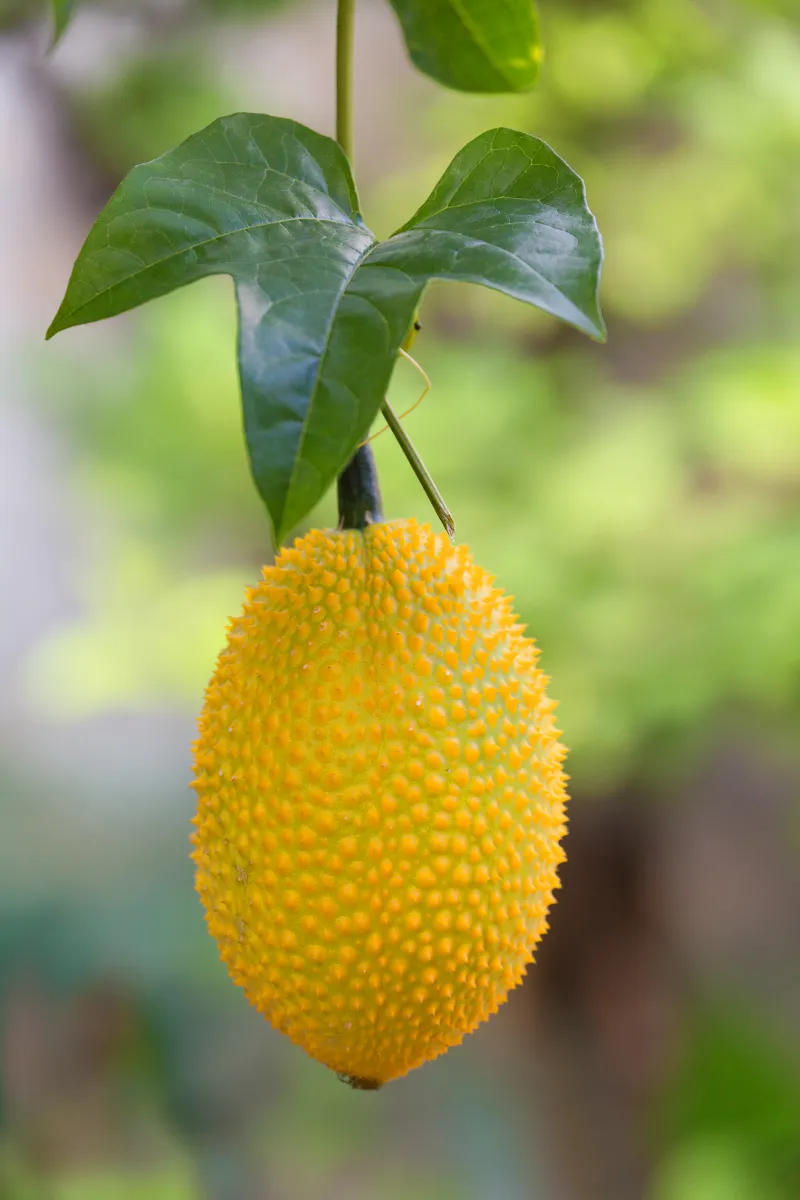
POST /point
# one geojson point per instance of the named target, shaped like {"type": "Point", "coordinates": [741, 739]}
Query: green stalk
{"type": "Point", "coordinates": [359, 493]}
{"type": "Point", "coordinates": [358, 488]}
{"type": "Point", "coordinates": [420, 470]}
{"type": "Point", "coordinates": [345, 38]}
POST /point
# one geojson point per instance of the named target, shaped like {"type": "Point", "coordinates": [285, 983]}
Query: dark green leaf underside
{"type": "Point", "coordinates": [473, 45]}
{"type": "Point", "coordinates": [324, 307]}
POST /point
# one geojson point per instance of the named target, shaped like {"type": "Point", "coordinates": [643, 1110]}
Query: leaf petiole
{"type": "Point", "coordinates": [417, 402]}
{"type": "Point", "coordinates": [420, 470]}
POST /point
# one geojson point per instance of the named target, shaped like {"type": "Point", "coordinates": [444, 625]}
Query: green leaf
{"type": "Point", "coordinates": [324, 307]}
{"type": "Point", "coordinates": [510, 214]}
{"type": "Point", "coordinates": [473, 45]}
{"type": "Point", "coordinates": [62, 12]}
{"type": "Point", "coordinates": [272, 204]}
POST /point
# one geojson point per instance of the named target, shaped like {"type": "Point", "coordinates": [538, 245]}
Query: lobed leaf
{"type": "Point", "coordinates": [473, 45]}
{"type": "Point", "coordinates": [510, 214]}
{"type": "Point", "coordinates": [324, 307]}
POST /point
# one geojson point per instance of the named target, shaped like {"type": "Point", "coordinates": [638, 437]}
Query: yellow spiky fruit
{"type": "Point", "coordinates": [381, 799]}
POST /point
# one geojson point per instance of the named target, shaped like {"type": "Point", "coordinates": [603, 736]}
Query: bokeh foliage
{"type": "Point", "coordinates": [640, 500]}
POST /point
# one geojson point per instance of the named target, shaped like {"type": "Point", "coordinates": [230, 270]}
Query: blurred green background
{"type": "Point", "coordinates": [640, 499]}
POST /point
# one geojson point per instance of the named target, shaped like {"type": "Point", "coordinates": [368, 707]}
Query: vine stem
{"type": "Point", "coordinates": [358, 488]}
{"type": "Point", "coordinates": [359, 492]}
{"type": "Point", "coordinates": [345, 39]}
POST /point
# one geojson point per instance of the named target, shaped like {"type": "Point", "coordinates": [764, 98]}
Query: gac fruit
{"type": "Point", "coordinates": [380, 798]}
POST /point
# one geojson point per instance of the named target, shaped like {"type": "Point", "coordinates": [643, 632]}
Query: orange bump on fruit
{"type": "Point", "coordinates": [380, 798]}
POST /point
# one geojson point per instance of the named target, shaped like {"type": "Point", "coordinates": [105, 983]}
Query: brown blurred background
{"type": "Point", "coordinates": [641, 500]}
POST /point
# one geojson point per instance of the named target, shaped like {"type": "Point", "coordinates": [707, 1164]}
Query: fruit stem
{"type": "Point", "coordinates": [359, 492]}
{"type": "Point", "coordinates": [358, 489]}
